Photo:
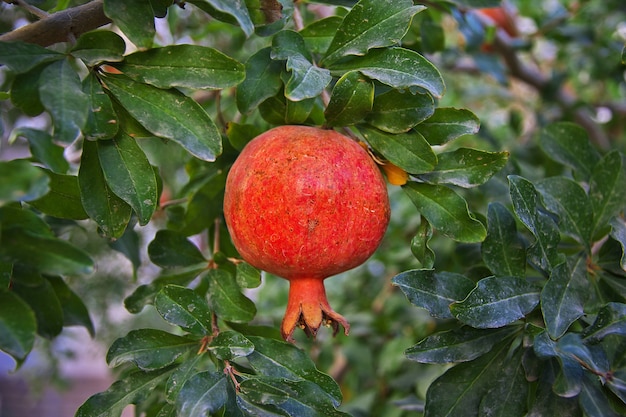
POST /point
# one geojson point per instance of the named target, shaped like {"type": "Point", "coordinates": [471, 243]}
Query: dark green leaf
{"type": "Point", "coordinates": [17, 326]}
{"type": "Point", "coordinates": [503, 250]}
{"type": "Point", "coordinates": [606, 189]}
{"type": "Point", "coordinates": [75, 312]}
{"type": "Point", "coordinates": [98, 46]}
{"type": "Point", "coordinates": [618, 232]}
{"type": "Point", "coordinates": [63, 199]}
{"type": "Point", "coordinates": [183, 307]}
{"type": "Point", "coordinates": [170, 249]}
{"type": "Point", "coordinates": [275, 358]}
{"type": "Point", "coordinates": [611, 319]}
{"type": "Point", "coordinates": [306, 81]}
{"type": "Point", "coordinates": [447, 124]}
{"type": "Point", "coordinates": [129, 174]}
{"type": "Point", "coordinates": [109, 211]}
{"type": "Point", "coordinates": [21, 181]}
{"type": "Point", "coordinates": [43, 300]}
{"type": "Point", "coordinates": [525, 199]}
{"type": "Point", "coordinates": [102, 121]}
{"type": "Point", "coordinates": [287, 44]}
{"type": "Point", "coordinates": [618, 384]}
{"type": "Point", "coordinates": [547, 402]}
{"type": "Point", "coordinates": [14, 217]}
{"type": "Point", "coordinates": [240, 134]}
{"type": "Point", "coordinates": [569, 201]}
{"type": "Point", "coordinates": [135, 19]}
{"type": "Point", "coordinates": [446, 211]}
{"type": "Point", "coordinates": [129, 246]}
{"type": "Point", "coordinates": [569, 144]}
{"type": "Point", "coordinates": [247, 276]}
{"type": "Point", "coordinates": [465, 167]}
{"type": "Point", "coordinates": [205, 205]}
{"type": "Point", "coordinates": [496, 302]}
{"type": "Point", "coordinates": [168, 114]}
{"type": "Point", "coordinates": [25, 91]}
{"type": "Point", "coordinates": [398, 68]}
{"type": "Point", "coordinates": [433, 291]}
{"type": "Point", "coordinates": [459, 345]}
{"type": "Point", "coordinates": [509, 395]}
{"type": "Point", "coordinates": [202, 395]}
{"type": "Point", "coordinates": [43, 149]}
{"type": "Point", "coordinates": [238, 10]}
{"type": "Point", "coordinates": [189, 66]}
{"type": "Point", "coordinates": [226, 298]}
{"type": "Point", "coordinates": [563, 296]}
{"type": "Point", "coordinates": [149, 349]}
{"type": "Point", "coordinates": [594, 400]}
{"type": "Point", "coordinates": [182, 374]}
{"type": "Point", "coordinates": [350, 101]}
{"type": "Point", "coordinates": [61, 94]}
{"type": "Point", "coordinates": [133, 388]}
{"type": "Point", "coordinates": [229, 345]}
{"type": "Point", "coordinates": [460, 390]}
{"type": "Point", "coordinates": [295, 398]}
{"type": "Point", "coordinates": [399, 111]}
{"type": "Point", "coordinates": [297, 112]}
{"type": "Point", "coordinates": [409, 151]}
{"type": "Point", "coordinates": [319, 34]}
{"type": "Point", "coordinates": [262, 81]}
{"type": "Point", "coordinates": [22, 57]}
{"type": "Point", "coordinates": [371, 24]}
{"type": "Point", "coordinates": [419, 245]}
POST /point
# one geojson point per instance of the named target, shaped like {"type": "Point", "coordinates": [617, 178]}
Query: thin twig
{"type": "Point", "coordinates": [41, 14]}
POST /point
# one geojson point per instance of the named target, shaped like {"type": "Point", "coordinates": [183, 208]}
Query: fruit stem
{"type": "Point", "coordinates": [308, 309]}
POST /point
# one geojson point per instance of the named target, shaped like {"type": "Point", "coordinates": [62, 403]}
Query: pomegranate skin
{"type": "Point", "coordinates": [304, 204]}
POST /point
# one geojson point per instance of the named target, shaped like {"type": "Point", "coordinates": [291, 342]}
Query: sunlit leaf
{"type": "Point", "coordinates": [229, 345]}
{"type": "Point", "coordinates": [447, 124]}
{"type": "Point", "coordinates": [465, 167]}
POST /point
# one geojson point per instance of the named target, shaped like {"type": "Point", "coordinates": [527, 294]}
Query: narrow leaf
{"type": "Point", "coordinates": [433, 291]}
{"type": "Point", "coordinates": [168, 114]}
{"type": "Point", "coordinates": [44, 302]}
{"type": "Point", "coordinates": [503, 250]}
{"type": "Point", "coordinates": [419, 245]}
{"type": "Point", "coordinates": [466, 167]}
{"type": "Point", "coordinates": [496, 302]}
{"type": "Point", "coordinates": [75, 312]}
{"type": "Point", "coordinates": [102, 121]}
{"type": "Point", "coordinates": [183, 307]}
{"type": "Point", "coordinates": [446, 211]}
{"type": "Point", "coordinates": [447, 124]}
{"type": "Point", "coordinates": [618, 232]}
{"type": "Point", "coordinates": [17, 326]}
{"type": "Point", "coordinates": [606, 189]}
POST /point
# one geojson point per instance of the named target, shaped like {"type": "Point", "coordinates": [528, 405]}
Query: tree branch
{"type": "Point", "coordinates": [61, 26]}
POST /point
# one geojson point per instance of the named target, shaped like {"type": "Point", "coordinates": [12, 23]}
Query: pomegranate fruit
{"type": "Point", "coordinates": [304, 204]}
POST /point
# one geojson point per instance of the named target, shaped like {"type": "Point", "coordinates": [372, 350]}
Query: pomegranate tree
{"type": "Point", "coordinates": [304, 204]}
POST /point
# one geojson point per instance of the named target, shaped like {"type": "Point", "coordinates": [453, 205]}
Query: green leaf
{"type": "Point", "coordinates": [295, 398]}
{"type": "Point", "coordinates": [319, 34]}
{"type": "Point", "coordinates": [371, 24]}
{"type": "Point", "coordinates": [238, 10]}
{"type": "Point", "coordinates": [98, 46]}
{"type": "Point", "coordinates": [44, 302]}
{"type": "Point", "coordinates": [48, 254]}
{"type": "Point", "coordinates": [466, 167]}
{"type": "Point", "coordinates": [547, 402]}
{"type": "Point", "coordinates": [25, 91]}
{"type": "Point", "coordinates": [168, 114]}
{"type": "Point", "coordinates": [569, 201]}
{"type": "Point", "coordinates": [618, 232]}
{"type": "Point", "coordinates": [594, 400]}
{"type": "Point", "coordinates": [350, 100]}
{"type": "Point", "coordinates": [170, 249]}
{"type": "Point", "coordinates": [110, 212]}
{"type": "Point", "coordinates": [297, 112]}
{"type": "Point", "coordinates": [17, 326]}
{"type": "Point", "coordinates": [135, 19]}
{"type": "Point", "coordinates": [306, 81]}
{"type": "Point", "coordinates": [262, 81]}
{"type": "Point", "coordinates": [102, 121]}
{"type": "Point", "coordinates": [202, 395]}
{"type": "Point", "coordinates": [63, 199]}
{"type": "Point", "coordinates": [419, 245]}
{"type": "Point", "coordinates": [447, 124]}
{"type": "Point", "coordinates": [182, 374]}
{"type": "Point", "coordinates": [183, 307]}
{"type": "Point", "coordinates": [563, 296]}
{"type": "Point", "coordinates": [398, 68]}
{"type": "Point", "coordinates": [247, 276]}
{"type": "Point", "coordinates": [129, 174]}
{"type": "Point", "coordinates": [229, 345]}
{"type": "Point", "coordinates": [543, 252]}
{"type": "Point", "coordinates": [21, 181]}
{"type": "Point", "coordinates": [569, 144]}
{"type": "Point", "coordinates": [509, 395]}
{"type": "Point", "coordinates": [42, 148]}
{"type": "Point", "coordinates": [149, 349]}
{"type": "Point", "coordinates": [61, 94]}
{"type": "Point", "coordinates": [134, 388]}
{"type": "Point", "coordinates": [611, 319]}
{"type": "Point", "coordinates": [21, 57]}
{"type": "Point", "coordinates": [75, 312]}
{"type": "Point", "coordinates": [226, 298]}
{"type": "Point", "coordinates": [460, 390]}
{"type": "Point", "coordinates": [189, 66]}
{"type": "Point", "coordinates": [399, 111]}
{"type": "Point", "coordinates": [446, 211]}
{"type": "Point", "coordinates": [606, 189]}
{"type": "Point", "coordinates": [503, 250]}
{"type": "Point", "coordinates": [409, 151]}
{"type": "Point", "coordinates": [458, 345]}
{"type": "Point", "coordinates": [14, 217]}
{"type": "Point", "coordinates": [433, 291]}
{"type": "Point", "coordinates": [496, 302]}
{"type": "Point", "coordinates": [205, 205]}
{"type": "Point", "coordinates": [275, 358]}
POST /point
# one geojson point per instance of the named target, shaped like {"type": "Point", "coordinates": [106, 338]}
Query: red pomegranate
{"type": "Point", "coordinates": [304, 204]}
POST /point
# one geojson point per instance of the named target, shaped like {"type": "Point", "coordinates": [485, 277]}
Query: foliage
{"type": "Point", "coordinates": [527, 300]}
